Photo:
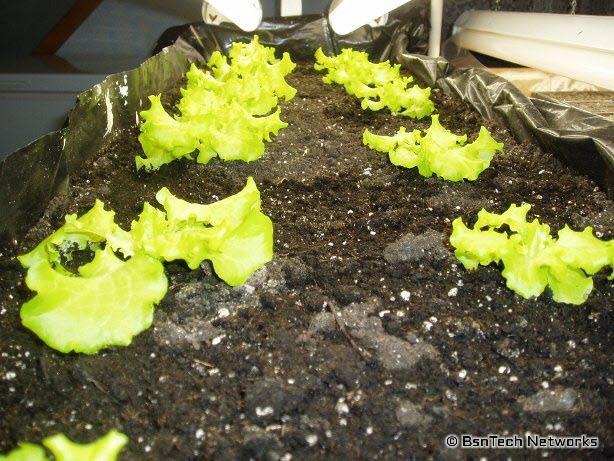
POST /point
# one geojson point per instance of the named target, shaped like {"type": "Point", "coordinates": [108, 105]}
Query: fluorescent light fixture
{"type": "Point", "coordinates": [348, 15]}
{"type": "Point", "coordinates": [246, 14]}
{"type": "Point", "coordinates": [575, 46]}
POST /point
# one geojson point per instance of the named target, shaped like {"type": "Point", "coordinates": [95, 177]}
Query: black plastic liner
{"type": "Point", "coordinates": [31, 176]}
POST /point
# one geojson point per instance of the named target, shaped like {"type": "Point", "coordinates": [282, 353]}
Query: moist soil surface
{"type": "Point", "coordinates": [364, 338]}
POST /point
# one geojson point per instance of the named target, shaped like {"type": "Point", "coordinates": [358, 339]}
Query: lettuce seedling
{"type": "Point", "coordinates": [110, 300]}
{"type": "Point", "coordinates": [26, 452]}
{"type": "Point", "coordinates": [233, 233]}
{"type": "Point", "coordinates": [378, 85]}
{"type": "Point", "coordinates": [227, 111]}
{"type": "Point", "coordinates": [532, 259]}
{"type": "Point", "coordinates": [106, 448]}
{"type": "Point", "coordinates": [255, 77]}
{"type": "Point", "coordinates": [438, 151]}
{"type": "Point", "coordinates": [108, 303]}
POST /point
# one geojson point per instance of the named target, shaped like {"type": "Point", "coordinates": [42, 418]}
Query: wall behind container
{"type": "Point", "coordinates": [132, 27]}
{"type": "Point", "coordinates": [23, 24]}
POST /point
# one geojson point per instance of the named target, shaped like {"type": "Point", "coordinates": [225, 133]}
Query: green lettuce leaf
{"type": "Point", "coordinates": [255, 77]}
{"type": "Point", "coordinates": [106, 448]}
{"type": "Point", "coordinates": [234, 134]}
{"type": "Point", "coordinates": [92, 228]}
{"type": "Point", "coordinates": [107, 304]}
{"type": "Point", "coordinates": [402, 148]}
{"type": "Point", "coordinates": [26, 452]}
{"type": "Point", "coordinates": [164, 138]}
{"type": "Point", "coordinates": [532, 259]}
{"type": "Point", "coordinates": [438, 151]}
{"type": "Point", "coordinates": [378, 85]}
{"type": "Point", "coordinates": [233, 233]}
{"type": "Point", "coordinates": [228, 110]}
{"type": "Point", "coordinates": [584, 250]}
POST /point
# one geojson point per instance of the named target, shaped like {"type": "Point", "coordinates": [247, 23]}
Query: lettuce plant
{"type": "Point", "coordinates": [438, 151]}
{"type": "Point", "coordinates": [378, 85]}
{"type": "Point", "coordinates": [227, 111]}
{"type": "Point", "coordinates": [26, 452]}
{"type": "Point", "coordinates": [110, 300]}
{"type": "Point", "coordinates": [532, 259]}
{"type": "Point", "coordinates": [233, 233]}
{"type": "Point", "coordinates": [107, 303]}
{"type": "Point", "coordinates": [106, 448]}
{"type": "Point", "coordinates": [254, 77]}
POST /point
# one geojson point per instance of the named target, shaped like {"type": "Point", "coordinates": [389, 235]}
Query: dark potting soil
{"type": "Point", "coordinates": [420, 347]}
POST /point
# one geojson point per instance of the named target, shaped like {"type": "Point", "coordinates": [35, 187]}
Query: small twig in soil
{"type": "Point", "coordinates": [366, 355]}
{"type": "Point", "coordinates": [202, 362]}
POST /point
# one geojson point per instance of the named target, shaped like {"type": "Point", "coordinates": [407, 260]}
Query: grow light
{"type": "Point", "coordinates": [348, 15]}
{"type": "Point", "coordinates": [246, 14]}
{"type": "Point", "coordinates": [575, 46]}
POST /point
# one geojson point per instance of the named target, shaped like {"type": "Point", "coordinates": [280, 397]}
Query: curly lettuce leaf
{"type": "Point", "coordinates": [92, 228]}
{"type": "Point", "coordinates": [438, 151]}
{"type": "Point", "coordinates": [532, 259]}
{"type": "Point", "coordinates": [25, 452]}
{"type": "Point", "coordinates": [106, 448]}
{"type": "Point", "coordinates": [234, 134]}
{"type": "Point", "coordinates": [378, 85]}
{"type": "Point", "coordinates": [170, 240]}
{"type": "Point", "coordinates": [255, 77]}
{"type": "Point", "coordinates": [244, 249]}
{"type": "Point", "coordinates": [584, 250]}
{"type": "Point", "coordinates": [402, 148]}
{"type": "Point", "coordinates": [109, 303]}
{"type": "Point", "coordinates": [163, 138]}
{"type": "Point", "coordinates": [233, 233]}
{"type": "Point", "coordinates": [477, 247]}
{"type": "Point", "coordinates": [228, 111]}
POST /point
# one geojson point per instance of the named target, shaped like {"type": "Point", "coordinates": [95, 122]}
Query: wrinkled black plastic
{"type": "Point", "coordinates": [31, 176]}
{"type": "Point", "coordinates": [302, 35]}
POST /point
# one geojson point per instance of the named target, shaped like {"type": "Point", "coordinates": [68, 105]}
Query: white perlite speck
{"type": "Point", "coordinates": [453, 291]}
{"type": "Point", "coordinates": [342, 407]}
{"type": "Point", "coordinates": [311, 440]}
{"type": "Point", "coordinates": [199, 433]}
{"type": "Point", "coordinates": [266, 411]}
{"type": "Point", "coordinates": [405, 295]}
{"type": "Point", "coordinates": [10, 375]}
{"type": "Point", "coordinates": [218, 339]}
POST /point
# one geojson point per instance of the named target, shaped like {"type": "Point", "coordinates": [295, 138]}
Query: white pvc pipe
{"type": "Point", "coordinates": [435, 32]}
{"type": "Point", "coordinates": [576, 46]}
{"type": "Point", "coordinates": [291, 8]}
{"type": "Point", "coordinates": [349, 15]}
{"type": "Point", "coordinates": [246, 14]}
